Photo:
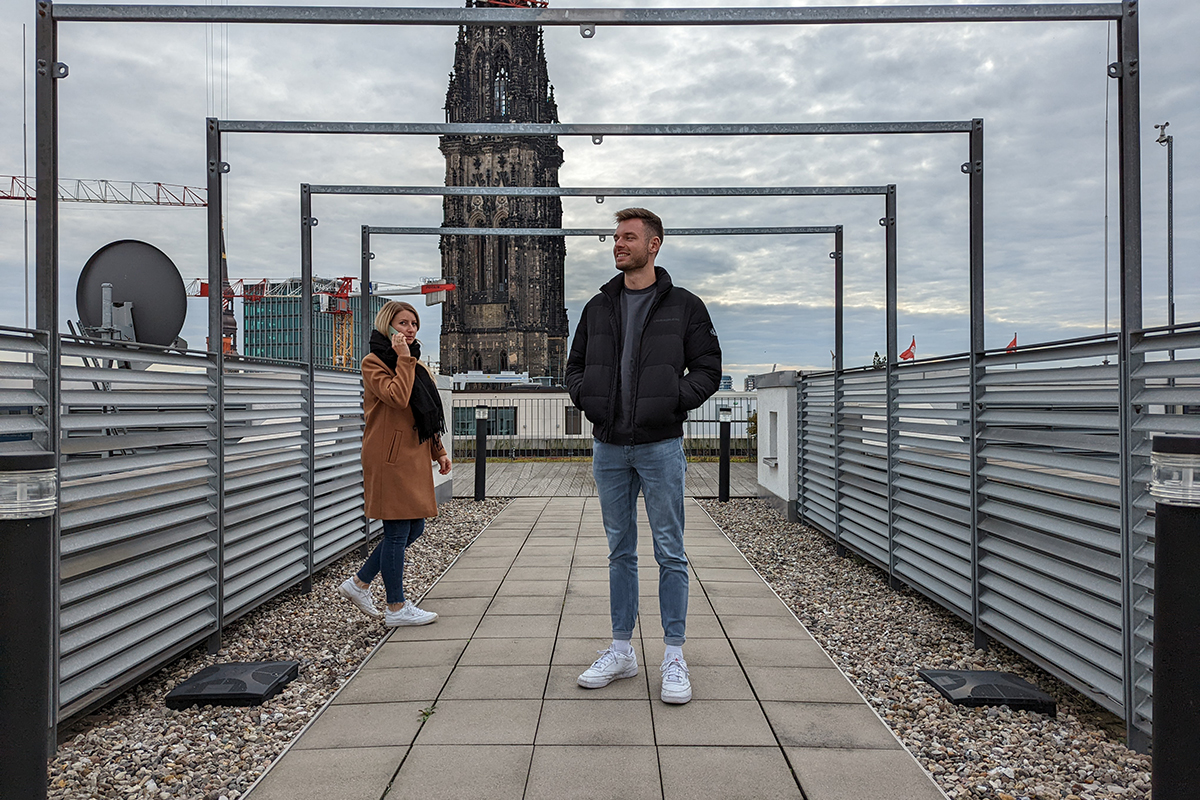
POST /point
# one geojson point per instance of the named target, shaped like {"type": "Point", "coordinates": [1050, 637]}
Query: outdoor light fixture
{"type": "Point", "coordinates": [481, 412]}
{"type": "Point", "coordinates": [1174, 465]}
{"type": "Point", "coordinates": [724, 414]}
{"type": "Point", "coordinates": [1175, 471]}
{"type": "Point", "coordinates": [27, 494]}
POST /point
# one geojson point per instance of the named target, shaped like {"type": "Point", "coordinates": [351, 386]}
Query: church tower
{"type": "Point", "coordinates": [508, 311]}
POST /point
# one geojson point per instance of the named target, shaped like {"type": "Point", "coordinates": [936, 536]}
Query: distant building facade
{"type": "Point", "coordinates": [508, 312]}
{"type": "Point", "coordinates": [271, 325]}
{"type": "Point", "coordinates": [726, 384]}
{"type": "Point", "coordinates": [750, 383]}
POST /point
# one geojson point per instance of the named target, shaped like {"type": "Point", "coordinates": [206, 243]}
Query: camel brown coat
{"type": "Point", "coordinates": [397, 467]}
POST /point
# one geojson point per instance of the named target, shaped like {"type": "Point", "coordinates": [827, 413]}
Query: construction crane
{"type": "Point", "coordinates": [129, 193]}
{"type": "Point", "coordinates": [333, 296]}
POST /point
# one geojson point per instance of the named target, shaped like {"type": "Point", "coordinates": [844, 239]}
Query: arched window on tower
{"type": "Point", "coordinates": [502, 361]}
{"type": "Point", "coordinates": [502, 249]}
{"type": "Point", "coordinates": [500, 91]}
{"type": "Point", "coordinates": [477, 362]}
{"type": "Point", "coordinates": [478, 251]}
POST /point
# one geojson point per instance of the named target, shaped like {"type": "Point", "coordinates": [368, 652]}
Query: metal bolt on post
{"type": "Point", "coordinates": [28, 499]}
{"type": "Point", "coordinates": [1175, 487]}
{"type": "Point", "coordinates": [725, 417]}
{"type": "Point", "coordinates": [481, 422]}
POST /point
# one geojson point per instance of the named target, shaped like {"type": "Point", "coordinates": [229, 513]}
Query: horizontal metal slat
{"type": "Point", "coordinates": [1054, 557]}
{"type": "Point", "coordinates": [1110, 444]}
{"type": "Point", "coordinates": [1092, 515]}
{"type": "Point", "coordinates": [1101, 630]}
{"type": "Point", "coordinates": [132, 613]}
{"type": "Point", "coordinates": [263, 529]}
{"type": "Point", "coordinates": [244, 571]}
{"type": "Point", "coordinates": [1057, 461]}
{"type": "Point", "coordinates": [954, 481]}
{"type": "Point", "coordinates": [97, 514]}
{"type": "Point", "coordinates": [1094, 374]}
{"type": "Point", "coordinates": [173, 516]}
{"type": "Point", "coordinates": [1092, 420]}
{"type": "Point", "coordinates": [112, 442]}
{"type": "Point", "coordinates": [164, 419]}
{"type": "Point", "coordinates": [80, 468]}
{"type": "Point", "coordinates": [98, 597]}
{"type": "Point", "coordinates": [113, 553]}
{"type": "Point", "coordinates": [244, 504]}
{"type": "Point", "coordinates": [947, 552]}
{"type": "Point", "coordinates": [263, 587]}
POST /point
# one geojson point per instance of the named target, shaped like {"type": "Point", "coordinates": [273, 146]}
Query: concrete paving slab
{"type": "Point", "coordinates": [594, 722]}
{"type": "Point", "coordinates": [582, 652]}
{"type": "Point", "coordinates": [548, 588]}
{"type": "Point", "coordinates": [739, 627]}
{"type": "Point", "coordinates": [507, 652]}
{"type": "Point", "coordinates": [539, 560]}
{"type": "Point", "coordinates": [443, 589]}
{"type": "Point", "coordinates": [781, 653]}
{"type": "Point", "coordinates": [516, 606]}
{"type": "Point", "coordinates": [590, 589]}
{"type": "Point", "coordinates": [359, 773]}
{"type": "Point", "coordinates": [451, 627]}
{"type": "Point", "coordinates": [728, 589]}
{"type": "Point", "coordinates": [834, 774]}
{"type": "Point", "coordinates": [710, 722]}
{"type": "Point", "coordinates": [835, 725]}
{"type": "Point", "coordinates": [417, 684]}
{"type": "Point", "coordinates": [577, 626]}
{"type": "Point", "coordinates": [454, 772]}
{"type": "Point", "coordinates": [508, 626]}
{"type": "Point", "coordinates": [700, 652]}
{"type": "Point", "coordinates": [728, 773]}
{"type": "Point", "coordinates": [741, 573]}
{"type": "Point", "coordinates": [496, 683]}
{"type": "Point", "coordinates": [481, 722]}
{"type": "Point", "coordinates": [711, 683]}
{"type": "Point", "coordinates": [538, 573]}
{"type": "Point", "coordinates": [396, 654]}
{"type": "Point", "coordinates": [802, 684]}
{"type": "Point", "coordinates": [750, 606]}
{"type": "Point", "coordinates": [588, 773]}
{"type": "Point", "coordinates": [467, 572]}
{"type": "Point", "coordinates": [364, 725]}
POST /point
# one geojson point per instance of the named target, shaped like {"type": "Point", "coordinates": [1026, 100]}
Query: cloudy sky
{"type": "Point", "coordinates": [133, 108]}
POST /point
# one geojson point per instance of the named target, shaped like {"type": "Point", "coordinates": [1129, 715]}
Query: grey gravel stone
{"type": "Point", "coordinates": [881, 636]}
{"type": "Point", "coordinates": [135, 747]}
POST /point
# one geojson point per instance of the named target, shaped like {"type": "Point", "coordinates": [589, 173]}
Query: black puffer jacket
{"type": "Point", "coordinates": [678, 369]}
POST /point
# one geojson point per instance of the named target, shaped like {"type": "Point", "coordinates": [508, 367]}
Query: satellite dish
{"type": "Point", "coordinates": [140, 274]}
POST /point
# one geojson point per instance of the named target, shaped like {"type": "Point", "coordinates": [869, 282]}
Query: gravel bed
{"type": "Point", "coordinates": [135, 747]}
{"type": "Point", "coordinates": [880, 637]}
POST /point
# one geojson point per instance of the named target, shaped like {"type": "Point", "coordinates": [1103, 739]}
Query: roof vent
{"type": "Point", "coordinates": [976, 688]}
{"type": "Point", "coordinates": [234, 684]}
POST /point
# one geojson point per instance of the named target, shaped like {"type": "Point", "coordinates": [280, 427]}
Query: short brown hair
{"type": "Point", "coordinates": [653, 224]}
{"type": "Point", "coordinates": [390, 309]}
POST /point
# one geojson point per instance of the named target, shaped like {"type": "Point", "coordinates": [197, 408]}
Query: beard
{"type": "Point", "coordinates": [634, 262]}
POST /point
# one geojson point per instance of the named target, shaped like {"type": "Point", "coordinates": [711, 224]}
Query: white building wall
{"type": "Point", "coordinates": [777, 479]}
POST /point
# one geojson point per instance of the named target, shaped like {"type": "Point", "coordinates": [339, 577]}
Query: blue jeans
{"type": "Point", "coordinates": [388, 556]}
{"type": "Point", "coordinates": [657, 469]}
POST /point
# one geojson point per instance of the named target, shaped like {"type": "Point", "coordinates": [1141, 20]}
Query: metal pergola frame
{"type": "Point", "coordinates": [1125, 70]}
{"type": "Point", "coordinates": [887, 221]}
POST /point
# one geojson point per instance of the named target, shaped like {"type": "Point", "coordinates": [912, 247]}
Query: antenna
{"type": "Point", "coordinates": [145, 286]}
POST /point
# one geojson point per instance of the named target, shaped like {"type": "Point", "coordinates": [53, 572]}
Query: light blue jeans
{"type": "Point", "coordinates": [657, 469]}
{"type": "Point", "coordinates": [388, 556]}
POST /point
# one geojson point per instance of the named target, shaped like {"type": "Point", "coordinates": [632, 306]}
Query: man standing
{"type": "Point", "coordinates": [645, 353]}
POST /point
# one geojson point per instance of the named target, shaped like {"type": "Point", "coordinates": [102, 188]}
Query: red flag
{"type": "Point", "coordinates": [1013, 344]}
{"type": "Point", "coordinates": [911, 353]}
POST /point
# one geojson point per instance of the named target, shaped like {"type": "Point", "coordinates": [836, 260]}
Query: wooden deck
{"type": "Point", "coordinates": [574, 479]}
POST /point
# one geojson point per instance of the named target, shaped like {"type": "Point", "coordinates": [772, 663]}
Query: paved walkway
{"type": "Point", "coordinates": [523, 612]}
{"type": "Point", "coordinates": [574, 479]}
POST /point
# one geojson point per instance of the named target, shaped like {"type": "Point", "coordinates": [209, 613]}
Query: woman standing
{"type": "Point", "coordinates": [403, 415]}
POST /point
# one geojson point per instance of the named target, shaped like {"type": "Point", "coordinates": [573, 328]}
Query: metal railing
{"type": "Point", "coordinates": [546, 425]}
{"type": "Point", "coordinates": [192, 491]}
{"type": "Point", "coordinates": [1026, 529]}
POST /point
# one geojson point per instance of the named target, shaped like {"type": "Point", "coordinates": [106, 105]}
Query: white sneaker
{"type": "Point", "coordinates": [610, 666]}
{"type": "Point", "coordinates": [360, 597]}
{"type": "Point", "coordinates": [676, 686]}
{"type": "Point", "coordinates": [408, 615]}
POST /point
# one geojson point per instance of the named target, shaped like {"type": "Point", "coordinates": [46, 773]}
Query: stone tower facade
{"type": "Point", "coordinates": [508, 312]}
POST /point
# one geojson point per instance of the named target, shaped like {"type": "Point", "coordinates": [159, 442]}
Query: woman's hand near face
{"type": "Point", "coordinates": [399, 345]}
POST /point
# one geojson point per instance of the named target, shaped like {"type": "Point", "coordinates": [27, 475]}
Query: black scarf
{"type": "Point", "coordinates": [425, 403]}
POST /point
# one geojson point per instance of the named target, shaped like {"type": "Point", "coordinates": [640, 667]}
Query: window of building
{"type": "Point", "coordinates": [502, 262]}
{"type": "Point", "coordinates": [479, 250]}
{"type": "Point", "coordinates": [500, 92]}
{"type": "Point", "coordinates": [573, 422]}
{"type": "Point", "coordinates": [501, 421]}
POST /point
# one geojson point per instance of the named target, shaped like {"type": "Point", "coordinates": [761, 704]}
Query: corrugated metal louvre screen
{"type": "Point", "coordinates": [1049, 510]}
{"type": "Point", "coordinates": [138, 547]}
{"type": "Point", "coordinates": [818, 494]}
{"type": "Point", "coordinates": [20, 426]}
{"type": "Point", "coordinates": [338, 489]}
{"type": "Point", "coordinates": [266, 418]}
{"type": "Point", "coordinates": [1168, 403]}
{"type": "Point", "coordinates": [932, 481]}
{"type": "Point", "coordinates": [862, 463]}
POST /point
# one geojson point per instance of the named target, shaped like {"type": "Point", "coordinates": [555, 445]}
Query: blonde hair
{"type": "Point", "coordinates": [390, 309]}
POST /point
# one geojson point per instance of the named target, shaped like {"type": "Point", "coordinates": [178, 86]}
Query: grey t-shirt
{"type": "Point", "coordinates": [635, 308]}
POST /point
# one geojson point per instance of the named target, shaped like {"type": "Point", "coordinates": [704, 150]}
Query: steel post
{"type": "Point", "coordinates": [216, 352]}
{"type": "Point", "coordinates": [974, 169]}
{"type": "Point", "coordinates": [307, 356]}
{"type": "Point", "coordinates": [363, 333]}
{"type": "Point", "coordinates": [725, 420]}
{"type": "Point", "coordinates": [46, 285]}
{"type": "Point", "coordinates": [890, 394]}
{"type": "Point", "coordinates": [1125, 70]}
{"type": "Point", "coordinates": [481, 423]}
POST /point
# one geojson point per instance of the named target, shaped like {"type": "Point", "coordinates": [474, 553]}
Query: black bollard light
{"type": "Point", "coordinates": [1175, 487]}
{"type": "Point", "coordinates": [725, 417]}
{"type": "Point", "coordinates": [28, 498]}
{"type": "Point", "coordinates": [481, 421]}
